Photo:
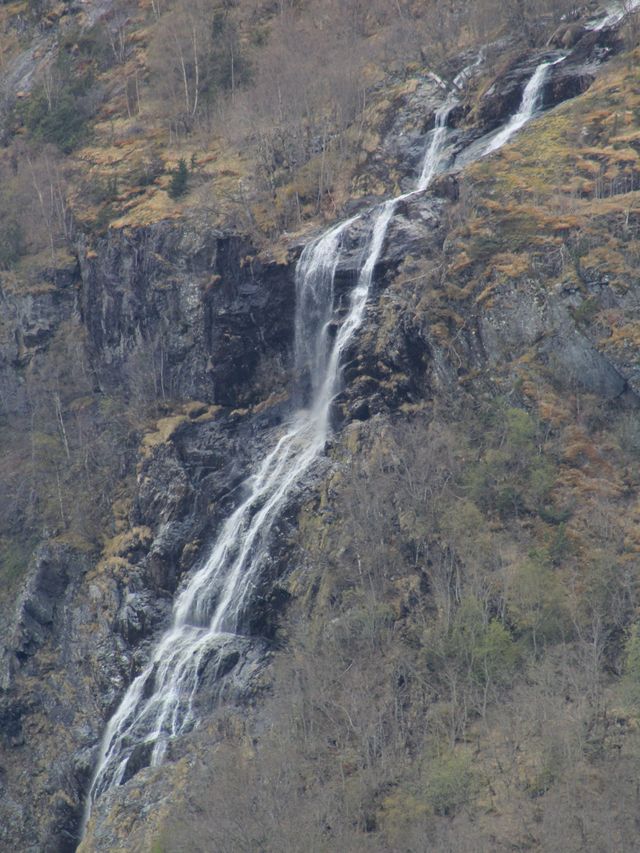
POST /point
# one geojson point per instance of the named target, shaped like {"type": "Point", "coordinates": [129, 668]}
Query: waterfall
{"type": "Point", "coordinates": [529, 106]}
{"type": "Point", "coordinates": [208, 613]}
{"type": "Point", "coordinates": [314, 302]}
{"type": "Point", "coordinates": [434, 161]}
{"type": "Point", "coordinates": [464, 76]}
{"type": "Point", "coordinates": [615, 14]}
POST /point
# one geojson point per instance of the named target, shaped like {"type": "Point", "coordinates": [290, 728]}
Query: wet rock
{"type": "Point", "coordinates": [85, 626]}
{"type": "Point", "coordinates": [576, 73]}
{"type": "Point", "coordinates": [411, 117]}
{"type": "Point", "coordinates": [139, 759]}
{"type": "Point", "coordinates": [204, 307]}
{"type": "Point", "coordinates": [138, 613]}
{"type": "Point", "coordinates": [267, 610]}
{"type": "Point", "coordinates": [228, 672]}
{"type": "Point", "coordinates": [504, 96]}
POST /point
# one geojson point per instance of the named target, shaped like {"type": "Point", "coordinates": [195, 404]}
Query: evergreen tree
{"type": "Point", "coordinates": [179, 179]}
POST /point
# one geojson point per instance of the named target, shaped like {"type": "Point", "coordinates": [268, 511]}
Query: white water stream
{"type": "Point", "coordinates": [615, 14]}
{"type": "Point", "coordinates": [529, 106]}
{"type": "Point", "coordinates": [209, 612]}
{"type": "Point", "coordinates": [531, 102]}
{"type": "Point", "coordinates": [158, 704]}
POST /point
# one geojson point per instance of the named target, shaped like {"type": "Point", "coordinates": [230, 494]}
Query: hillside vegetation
{"type": "Point", "coordinates": [460, 663]}
{"type": "Point", "coordinates": [251, 115]}
{"type": "Point", "coordinates": [266, 103]}
{"type": "Point", "coordinates": [457, 666]}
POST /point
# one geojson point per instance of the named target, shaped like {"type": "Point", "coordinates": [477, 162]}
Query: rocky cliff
{"type": "Point", "coordinates": [201, 318]}
{"type": "Point", "coordinates": [513, 278]}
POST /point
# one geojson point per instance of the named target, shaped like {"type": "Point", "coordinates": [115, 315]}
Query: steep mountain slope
{"type": "Point", "coordinates": [459, 665]}
{"type": "Point", "coordinates": [444, 641]}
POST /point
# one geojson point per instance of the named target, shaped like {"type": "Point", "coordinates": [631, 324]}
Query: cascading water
{"type": "Point", "coordinates": [464, 76]}
{"type": "Point", "coordinates": [208, 613]}
{"type": "Point", "coordinates": [615, 14]}
{"type": "Point", "coordinates": [531, 103]}
{"type": "Point", "coordinates": [314, 303]}
{"type": "Point", "coordinates": [435, 159]}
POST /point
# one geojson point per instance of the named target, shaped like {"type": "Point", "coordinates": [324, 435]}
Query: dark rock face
{"type": "Point", "coordinates": [583, 52]}
{"type": "Point", "coordinates": [187, 314]}
{"type": "Point", "coordinates": [206, 310]}
{"type": "Point", "coordinates": [84, 628]}
{"type": "Point", "coordinates": [41, 608]}
{"type": "Point", "coordinates": [29, 318]}
{"type": "Point", "coordinates": [577, 72]}
{"type": "Point", "coordinates": [197, 309]}
{"type": "Point", "coordinates": [47, 682]}
{"type": "Point", "coordinates": [403, 136]}
{"type": "Point", "coordinates": [504, 95]}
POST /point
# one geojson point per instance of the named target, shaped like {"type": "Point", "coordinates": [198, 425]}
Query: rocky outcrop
{"type": "Point", "coordinates": [167, 311]}
{"type": "Point", "coordinates": [196, 308]}
{"type": "Point", "coordinates": [32, 312]}
{"type": "Point", "coordinates": [211, 310]}
{"type": "Point", "coordinates": [41, 609]}
{"type": "Point", "coordinates": [407, 116]}
{"type": "Point", "coordinates": [581, 56]}
{"type": "Point", "coordinates": [40, 689]}
{"type": "Point", "coordinates": [84, 625]}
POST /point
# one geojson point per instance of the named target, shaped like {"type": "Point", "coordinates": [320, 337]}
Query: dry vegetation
{"type": "Point", "coordinates": [461, 659]}
{"type": "Point", "coordinates": [262, 109]}
{"type": "Point", "coordinates": [266, 102]}
{"type": "Point", "coordinates": [462, 666]}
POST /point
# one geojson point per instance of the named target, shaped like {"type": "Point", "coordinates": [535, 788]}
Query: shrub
{"type": "Point", "coordinates": [12, 242]}
{"type": "Point", "coordinates": [536, 601]}
{"type": "Point", "coordinates": [179, 180]}
{"type": "Point", "coordinates": [631, 670]}
{"type": "Point", "coordinates": [63, 124]}
{"type": "Point", "coordinates": [450, 782]}
{"type": "Point", "coordinates": [512, 475]}
{"type": "Point", "coordinates": [59, 112]}
{"type": "Point", "coordinates": [483, 650]}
